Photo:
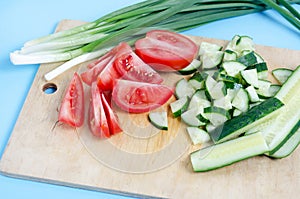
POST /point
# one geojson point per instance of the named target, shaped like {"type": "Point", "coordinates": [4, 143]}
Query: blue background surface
{"type": "Point", "coordinates": [23, 20]}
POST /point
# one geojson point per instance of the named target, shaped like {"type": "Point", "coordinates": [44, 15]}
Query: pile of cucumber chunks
{"type": "Point", "coordinates": [226, 83]}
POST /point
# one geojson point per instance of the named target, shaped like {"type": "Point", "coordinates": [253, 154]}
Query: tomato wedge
{"type": "Point", "coordinates": [91, 74]}
{"type": "Point", "coordinates": [139, 97]}
{"type": "Point", "coordinates": [72, 107]}
{"type": "Point", "coordinates": [166, 51]}
{"type": "Point", "coordinates": [97, 119]}
{"type": "Point", "coordinates": [113, 122]}
{"type": "Point", "coordinates": [131, 67]}
{"type": "Point", "coordinates": [107, 77]}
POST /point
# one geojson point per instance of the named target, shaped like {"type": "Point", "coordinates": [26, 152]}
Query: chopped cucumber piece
{"type": "Point", "coordinates": [282, 74]}
{"type": "Point", "coordinates": [216, 115]}
{"type": "Point", "coordinates": [223, 102]}
{"type": "Point", "coordinates": [239, 44]}
{"type": "Point", "coordinates": [242, 123]}
{"type": "Point", "coordinates": [197, 80]}
{"type": "Point", "coordinates": [183, 89]}
{"type": "Point", "coordinates": [159, 119]}
{"type": "Point", "coordinates": [252, 94]}
{"type": "Point", "coordinates": [241, 100]}
{"type": "Point", "coordinates": [263, 90]}
{"type": "Point", "coordinates": [190, 117]}
{"type": "Point", "coordinates": [248, 59]}
{"type": "Point", "coordinates": [262, 70]}
{"type": "Point", "coordinates": [290, 87]}
{"type": "Point", "coordinates": [198, 135]}
{"type": "Point", "coordinates": [179, 106]}
{"type": "Point", "coordinates": [229, 152]}
{"type": "Point", "coordinates": [233, 68]}
{"type": "Point", "coordinates": [191, 68]}
{"type": "Point", "coordinates": [199, 100]}
{"type": "Point", "coordinates": [218, 91]}
{"type": "Point", "coordinates": [211, 59]}
{"type": "Point", "coordinates": [251, 77]}
{"type": "Point", "coordinates": [229, 55]}
{"type": "Point", "coordinates": [208, 47]}
{"type": "Point", "coordinates": [209, 84]}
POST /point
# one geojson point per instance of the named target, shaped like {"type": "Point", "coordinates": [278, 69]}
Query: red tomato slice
{"type": "Point", "coordinates": [91, 74]}
{"type": "Point", "coordinates": [166, 51]}
{"type": "Point", "coordinates": [139, 97]}
{"type": "Point", "coordinates": [106, 79]}
{"type": "Point", "coordinates": [131, 67]}
{"type": "Point", "coordinates": [97, 119]}
{"type": "Point", "coordinates": [72, 108]}
{"type": "Point", "coordinates": [113, 123]}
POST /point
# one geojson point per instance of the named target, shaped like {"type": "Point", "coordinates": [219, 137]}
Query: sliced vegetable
{"type": "Point", "coordinates": [90, 75]}
{"type": "Point", "coordinates": [216, 115]}
{"type": "Point", "coordinates": [179, 106]}
{"type": "Point", "coordinates": [242, 123]}
{"type": "Point", "coordinates": [211, 59]}
{"type": "Point", "coordinates": [183, 89]}
{"type": "Point", "coordinates": [290, 144]}
{"type": "Point", "coordinates": [241, 100]}
{"type": "Point", "coordinates": [131, 67]}
{"type": "Point", "coordinates": [251, 77]}
{"type": "Point", "coordinates": [159, 119]}
{"type": "Point", "coordinates": [198, 135]}
{"type": "Point", "coordinates": [113, 123]}
{"type": "Point", "coordinates": [190, 117]}
{"type": "Point", "coordinates": [282, 74]}
{"type": "Point", "coordinates": [248, 59]}
{"type": "Point", "coordinates": [197, 81]}
{"type": "Point", "coordinates": [281, 126]}
{"type": "Point", "coordinates": [240, 44]}
{"type": "Point", "coordinates": [72, 107]}
{"type": "Point", "coordinates": [166, 51]}
{"type": "Point", "coordinates": [229, 152]}
{"type": "Point", "coordinates": [233, 68]}
{"type": "Point", "coordinates": [98, 122]}
{"type": "Point", "coordinates": [191, 68]}
{"type": "Point", "coordinates": [139, 97]}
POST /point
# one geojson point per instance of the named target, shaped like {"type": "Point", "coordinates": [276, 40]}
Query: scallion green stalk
{"type": "Point", "coordinates": [132, 22]}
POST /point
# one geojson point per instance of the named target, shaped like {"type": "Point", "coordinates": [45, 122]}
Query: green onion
{"type": "Point", "coordinates": [92, 39]}
{"type": "Point", "coordinates": [285, 13]}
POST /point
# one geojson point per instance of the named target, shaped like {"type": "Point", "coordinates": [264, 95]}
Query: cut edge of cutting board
{"type": "Point", "coordinates": [264, 163]}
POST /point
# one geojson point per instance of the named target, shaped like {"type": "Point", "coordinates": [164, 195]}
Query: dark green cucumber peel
{"type": "Point", "coordinates": [237, 125]}
{"type": "Point", "coordinates": [248, 59]}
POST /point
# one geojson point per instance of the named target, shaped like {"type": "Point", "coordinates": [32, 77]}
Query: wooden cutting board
{"type": "Point", "coordinates": [142, 161]}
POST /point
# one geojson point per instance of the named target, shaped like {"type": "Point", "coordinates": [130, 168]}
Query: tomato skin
{"type": "Point", "coordinates": [140, 97]}
{"type": "Point", "coordinates": [106, 79]}
{"type": "Point", "coordinates": [91, 74]}
{"type": "Point", "coordinates": [72, 107]}
{"type": "Point", "coordinates": [98, 123]}
{"type": "Point", "coordinates": [131, 67]}
{"type": "Point", "coordinates": [113, 123]}
{"type": "Point", "coordinates": [166, 51]}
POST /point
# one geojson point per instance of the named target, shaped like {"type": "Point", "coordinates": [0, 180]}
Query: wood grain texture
{"type": "Point", "coordinates": [142, 161]}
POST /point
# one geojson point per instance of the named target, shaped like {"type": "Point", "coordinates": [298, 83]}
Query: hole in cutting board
{"type": "Point", "coordinates": [49, 88]}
